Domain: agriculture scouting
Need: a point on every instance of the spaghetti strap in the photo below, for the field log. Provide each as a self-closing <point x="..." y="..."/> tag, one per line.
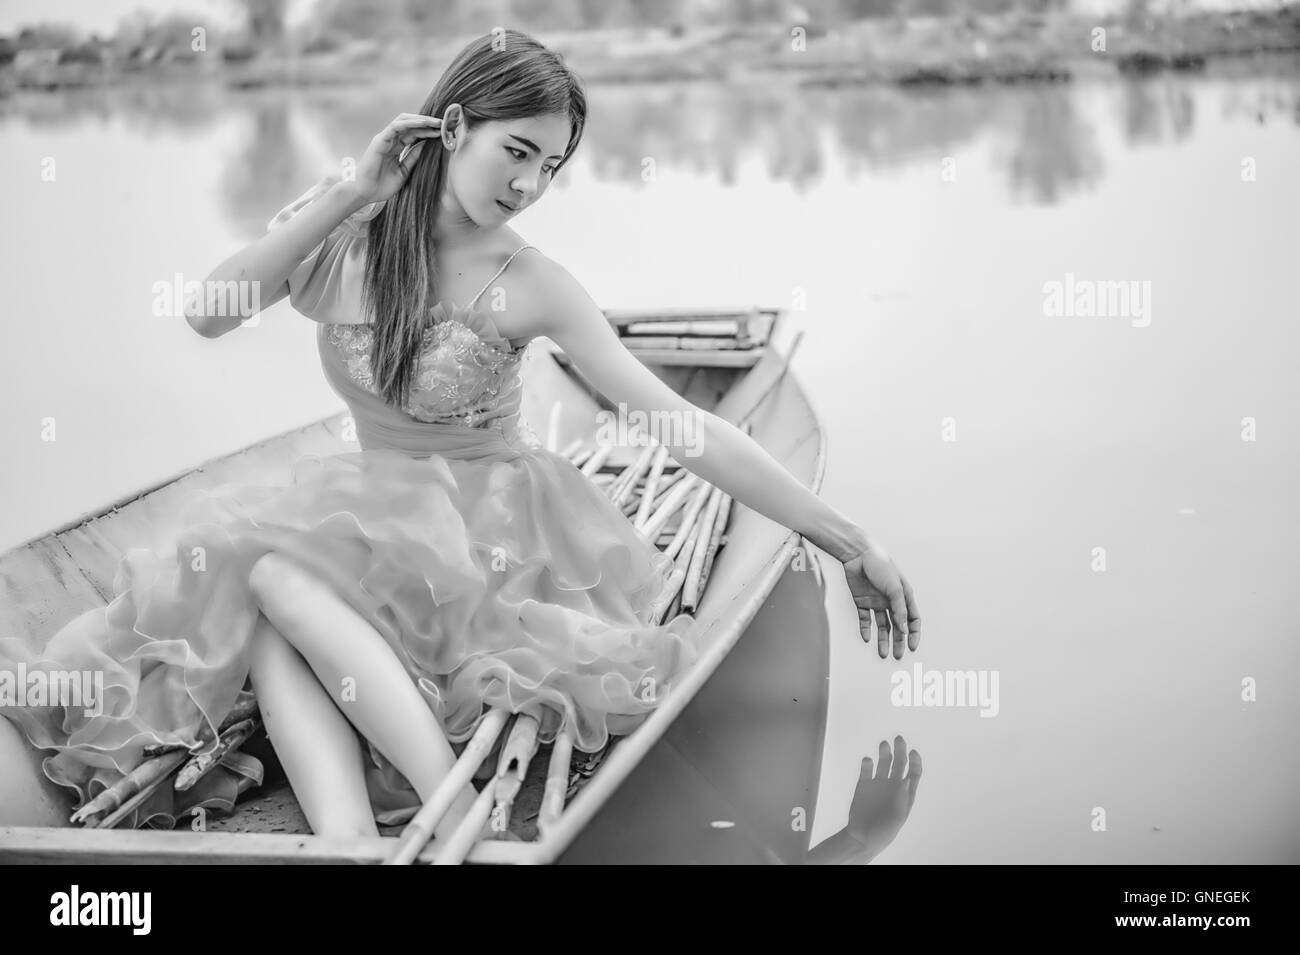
<point x="499" y="271"/>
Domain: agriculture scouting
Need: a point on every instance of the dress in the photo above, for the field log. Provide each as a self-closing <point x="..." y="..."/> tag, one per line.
<point x="498" y="573"/>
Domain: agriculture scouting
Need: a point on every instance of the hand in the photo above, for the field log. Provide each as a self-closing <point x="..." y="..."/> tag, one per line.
<point x="383" y="168"/>
<point x="881" y="804"/>
<point x="879" y="588"/>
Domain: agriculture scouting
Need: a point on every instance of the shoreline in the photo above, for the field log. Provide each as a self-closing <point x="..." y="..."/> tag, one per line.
<point x="922" y="52"/>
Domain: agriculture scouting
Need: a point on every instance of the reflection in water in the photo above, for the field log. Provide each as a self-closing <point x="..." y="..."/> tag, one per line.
<point x="1052" y="149"/>
<point x="1047" y="146"/>
<point x="736" y="778"/>
<point x="1155" y="110"/>
<point x="268" y="152"/>
<point x="881" y="804"/>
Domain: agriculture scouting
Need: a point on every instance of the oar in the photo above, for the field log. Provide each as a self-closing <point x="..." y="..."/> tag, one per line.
<point x="420" y="829"/>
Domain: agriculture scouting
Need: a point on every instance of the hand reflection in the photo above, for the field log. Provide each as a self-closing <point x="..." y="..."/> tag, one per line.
<point x="881" y="804"/>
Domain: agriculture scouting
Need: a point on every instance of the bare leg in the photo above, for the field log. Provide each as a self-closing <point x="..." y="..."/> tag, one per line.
<point x="316" y="745"/>
<point x="339" y="644"/>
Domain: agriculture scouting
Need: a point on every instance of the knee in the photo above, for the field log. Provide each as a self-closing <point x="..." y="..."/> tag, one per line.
<point x="271" y="574"/>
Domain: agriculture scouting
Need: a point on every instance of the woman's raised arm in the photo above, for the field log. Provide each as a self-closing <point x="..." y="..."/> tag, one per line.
<point x="269" y="260"/>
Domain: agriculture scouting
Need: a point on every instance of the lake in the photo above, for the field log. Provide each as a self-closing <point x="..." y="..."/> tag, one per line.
<point x="1060" y="487"/>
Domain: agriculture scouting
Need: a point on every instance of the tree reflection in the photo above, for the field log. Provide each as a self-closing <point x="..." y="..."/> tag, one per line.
<point x="1053" y="150"/>
<point x="1153" y="110"/>
<point x="1045" y="145"/>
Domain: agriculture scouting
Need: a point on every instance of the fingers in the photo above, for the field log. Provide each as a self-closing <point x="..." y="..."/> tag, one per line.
<point x="407" y="128"/>
<point x="409" y="157"/>
<point x="882" y="633"/>
<point x="913" y="774"/>
<point x="899" y="766"/>
<point x="884" y="759"/>
<point x="913" y="616"/>
<point x="865" y="770"/>
<point x="898" y="615"/>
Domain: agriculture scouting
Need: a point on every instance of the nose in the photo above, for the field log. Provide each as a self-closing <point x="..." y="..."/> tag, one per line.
<point x="526" y="186"/>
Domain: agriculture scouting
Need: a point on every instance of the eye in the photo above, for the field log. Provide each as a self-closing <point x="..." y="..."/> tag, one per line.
<point x="550" y="170"/>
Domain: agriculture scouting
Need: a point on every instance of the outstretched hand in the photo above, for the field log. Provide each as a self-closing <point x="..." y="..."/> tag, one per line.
<point x="879" y="589"/>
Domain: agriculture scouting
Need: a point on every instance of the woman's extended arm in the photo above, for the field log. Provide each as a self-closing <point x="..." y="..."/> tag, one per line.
<point x="721" y="453"/>
<point x="271" y="259"/>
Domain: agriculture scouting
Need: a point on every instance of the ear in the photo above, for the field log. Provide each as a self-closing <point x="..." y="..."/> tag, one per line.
<point x="453" y="126"/>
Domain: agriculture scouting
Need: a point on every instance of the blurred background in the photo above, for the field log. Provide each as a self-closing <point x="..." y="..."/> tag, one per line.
<point x="904" y="175"/>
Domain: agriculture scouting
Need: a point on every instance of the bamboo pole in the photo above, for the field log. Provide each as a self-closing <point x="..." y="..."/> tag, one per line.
<point x="557" y="782"/>
<point x="660" y="495"/>
<point x="597" y="459"/>
<point x="460" y="842"/>
<point x="512" y="764"/>
<point x="674" y="500"/>
<point x="667" y="484"/>
<point x="202" y="764"/>
<point x="671" y="588"/>
<point x="652" y="484"/>
<point x="702" y="495"/>
<point x="242" y="710"/>
<point x="110" y="806"/>
<point x="634" y="471"/>
<point x="579" y="459"/>
<point x="420" y="829"/>
<point x="715" y="539"/>
<point x="694" y="585"/>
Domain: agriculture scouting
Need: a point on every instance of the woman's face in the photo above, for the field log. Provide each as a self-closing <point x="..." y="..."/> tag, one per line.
<point x="505" y="163"/>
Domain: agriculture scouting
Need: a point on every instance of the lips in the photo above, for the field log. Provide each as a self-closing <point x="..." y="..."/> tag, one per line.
<point x="507" y="206"/>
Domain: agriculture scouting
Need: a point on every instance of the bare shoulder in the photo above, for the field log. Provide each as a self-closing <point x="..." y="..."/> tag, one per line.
<point x="551" y="291"/>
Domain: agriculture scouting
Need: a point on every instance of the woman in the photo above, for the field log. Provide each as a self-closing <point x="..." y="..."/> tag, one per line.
<point x="452" y="564"/>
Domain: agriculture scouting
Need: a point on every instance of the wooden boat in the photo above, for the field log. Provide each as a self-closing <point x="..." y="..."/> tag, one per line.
<point x="50" y="580"/>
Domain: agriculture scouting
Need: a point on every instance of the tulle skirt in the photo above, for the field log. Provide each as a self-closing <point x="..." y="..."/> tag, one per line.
<point x="504" y="581"/>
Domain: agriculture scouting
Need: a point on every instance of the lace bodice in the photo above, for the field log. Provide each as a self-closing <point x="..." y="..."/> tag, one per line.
<point x="466" y="387"/>
<point x="463" y="373"/>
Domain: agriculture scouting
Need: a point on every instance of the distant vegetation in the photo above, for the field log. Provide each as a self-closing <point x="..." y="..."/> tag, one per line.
<point x="873" y="40"/>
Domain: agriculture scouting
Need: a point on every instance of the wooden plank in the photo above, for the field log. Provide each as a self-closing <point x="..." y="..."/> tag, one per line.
<point x="743" y="358"/>
<point x="707" y="327"/>
<point x="649" y="342"/>
<point x="624" y="316"/>
<point x="34" y="845"/>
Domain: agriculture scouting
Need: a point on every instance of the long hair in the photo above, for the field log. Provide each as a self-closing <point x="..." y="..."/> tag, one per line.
<point x="502" y="75"/>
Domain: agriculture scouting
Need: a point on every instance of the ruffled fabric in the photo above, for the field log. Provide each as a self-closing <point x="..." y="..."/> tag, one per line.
<point x="326" y="285"/>
<point x="504" y="580"/>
